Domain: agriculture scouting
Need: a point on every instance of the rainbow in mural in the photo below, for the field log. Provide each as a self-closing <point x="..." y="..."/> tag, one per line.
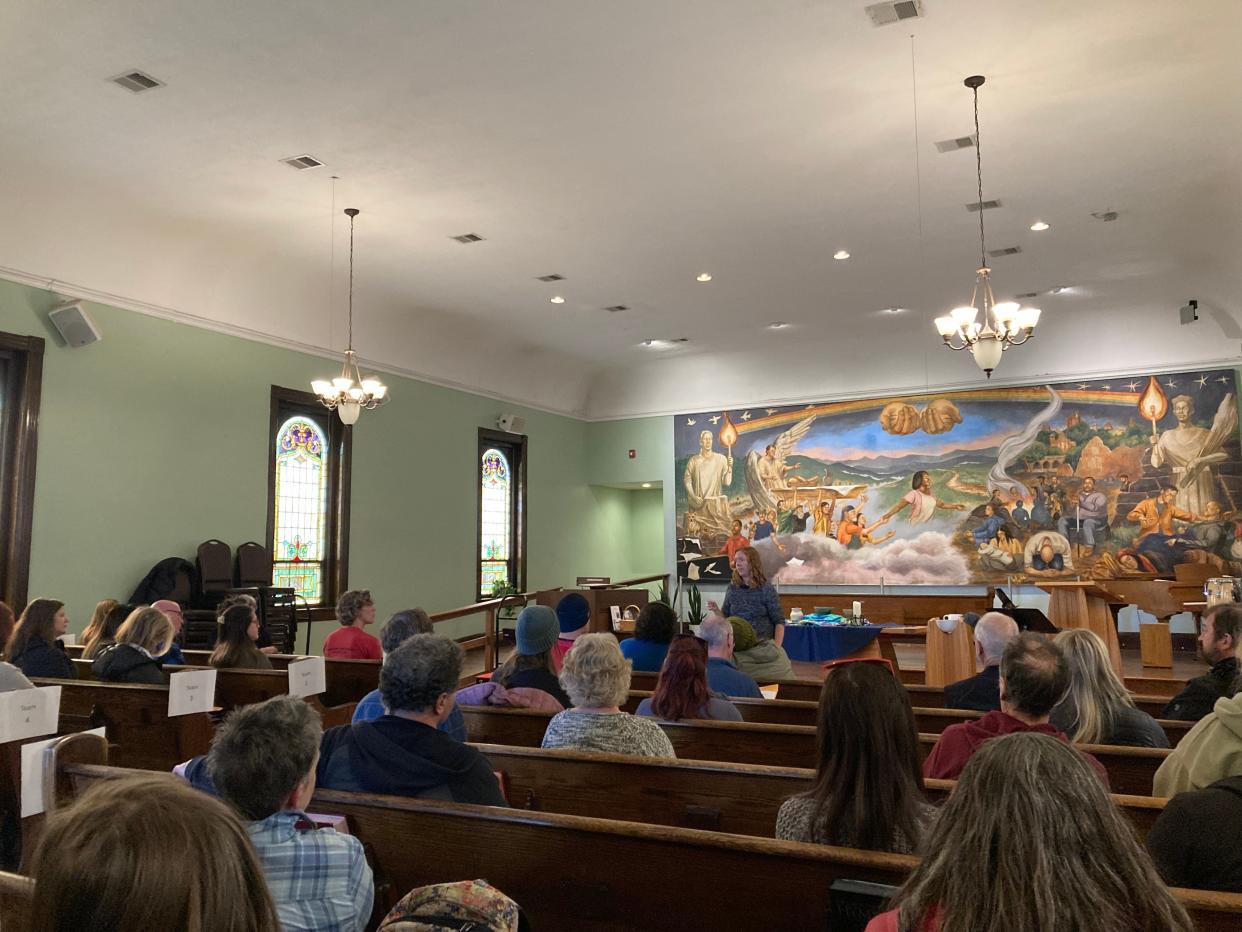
<point x="1099" y="478"/>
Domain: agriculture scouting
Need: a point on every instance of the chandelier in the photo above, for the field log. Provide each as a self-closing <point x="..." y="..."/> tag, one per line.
<point x="349" y="392"/>
<point x="1002" y="325"/>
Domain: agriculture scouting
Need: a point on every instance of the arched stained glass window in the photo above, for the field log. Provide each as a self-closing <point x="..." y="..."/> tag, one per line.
<point x="495" y="520"/>
<point x="299" y="544"/>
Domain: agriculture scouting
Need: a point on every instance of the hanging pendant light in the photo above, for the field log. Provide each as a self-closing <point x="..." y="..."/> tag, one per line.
<point x="349" y="392"/>
<point x="985" y="327"/>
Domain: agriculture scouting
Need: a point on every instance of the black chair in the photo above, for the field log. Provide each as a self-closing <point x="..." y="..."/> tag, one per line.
<point x="254" y="565"/>
<point x="215" y="572"/>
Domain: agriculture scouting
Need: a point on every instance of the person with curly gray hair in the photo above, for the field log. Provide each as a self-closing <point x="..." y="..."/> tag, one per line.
<point x="402" y="752"/>
<point x="355" y="610"/>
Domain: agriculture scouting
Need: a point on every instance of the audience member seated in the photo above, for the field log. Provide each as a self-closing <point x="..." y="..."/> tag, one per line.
<point x="145" y="635"/>
<point x="104" y="635"/>
<point x="1210" y="751"/>
<point x="682" y="690"/>
<point x="722" y="676"/>
<point x="1194" y="840"/>
<point x="1033" y="677"/>
<point x="10" y="677"/>
<point x="1218" y="638"/>
<point x="354" y="610"/>
<point x="981" y="692"/>
<point x="264" y="640"/>
<point x="762" y="661"/>
<point x="171" y="609"/>
<point x="467" y="904"/>
<point x="146" y="852"/>
<point x="263" y="761"/>
<point x="573" y="614"/>
<point x="235" y="642"/>
<point x="98" y="617"/>
<point x="35" y="647"/>
<point x="654" y="629"/>
<point x="868" y="790"/>
<point x="597" y="679"/>
<point x="1098" y="708"/>
<point x="526" y="680"/>
<point x="398" y="629"/>
<point x="1029" y="841"/>
<point x="402" y="752"/>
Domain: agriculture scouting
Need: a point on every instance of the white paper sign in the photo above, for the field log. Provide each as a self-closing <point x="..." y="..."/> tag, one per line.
<point x="32" y="773"/>
<point x="307" y="677"/>
<point x="191" y="691"/>
<point x="69" y="639"/>
<point x="29" y="713"/>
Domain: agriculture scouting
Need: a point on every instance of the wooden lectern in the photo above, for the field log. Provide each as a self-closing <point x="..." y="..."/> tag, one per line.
<point x="1084" y="604"/>
<point x="600" y="601"/>
<point x="950" y="657"/>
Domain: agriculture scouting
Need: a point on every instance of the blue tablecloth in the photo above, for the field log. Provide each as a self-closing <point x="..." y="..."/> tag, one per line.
<point x="817" y="643"/>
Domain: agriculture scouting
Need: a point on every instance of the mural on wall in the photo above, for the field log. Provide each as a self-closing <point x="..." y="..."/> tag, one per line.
<point x="1095" y="479"/>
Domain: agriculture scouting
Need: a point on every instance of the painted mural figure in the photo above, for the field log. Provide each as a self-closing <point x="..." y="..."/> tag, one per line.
<point x="1191" y="451"/>
<point x="1155" y="516"/>
<point x="920" y="501"/>
<point x="1090" y="515"/>
<point x="707" y="474"/>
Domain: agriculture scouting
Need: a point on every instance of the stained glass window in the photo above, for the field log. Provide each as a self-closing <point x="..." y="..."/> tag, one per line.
<point x="299" y="545"/>
<point x="495" y="520"/>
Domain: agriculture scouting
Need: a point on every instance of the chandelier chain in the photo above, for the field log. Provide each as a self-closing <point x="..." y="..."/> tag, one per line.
<point x="351" y="280"/>
<point x="983" y="252"/>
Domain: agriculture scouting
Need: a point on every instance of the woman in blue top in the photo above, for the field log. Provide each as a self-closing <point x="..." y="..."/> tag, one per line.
<point x="752" y="597"/>
<point x="654" y="629"/>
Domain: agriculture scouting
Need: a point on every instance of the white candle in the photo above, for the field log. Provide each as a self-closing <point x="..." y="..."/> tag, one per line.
<point x="857" y="609"/>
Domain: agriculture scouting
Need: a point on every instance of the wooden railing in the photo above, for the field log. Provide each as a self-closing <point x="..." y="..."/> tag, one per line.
<point x="490" y="609"/>
<point x="636" y="581"/>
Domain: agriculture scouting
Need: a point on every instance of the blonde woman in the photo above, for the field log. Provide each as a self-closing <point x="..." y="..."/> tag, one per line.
<point x="1097" y="708"/>
<point x="97" y="619"/>
<point x="143" y="637"/>
<point x="597" y="678"/>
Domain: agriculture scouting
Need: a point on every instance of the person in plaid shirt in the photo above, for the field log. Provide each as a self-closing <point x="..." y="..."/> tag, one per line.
<point x="263" y="760"/>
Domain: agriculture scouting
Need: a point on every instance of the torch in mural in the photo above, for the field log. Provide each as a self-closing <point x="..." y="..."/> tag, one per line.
<point x="728" y="435"/>
<point x="1153" y="403"/>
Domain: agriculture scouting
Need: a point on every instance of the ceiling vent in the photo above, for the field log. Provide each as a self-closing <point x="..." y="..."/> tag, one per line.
<point x="884" y="14"/>
<point x="952" y="145"/>
<point x="617" y="308"/>
<point x="136" y="81"/>
<point x="468" y="238"/>
<point x="1108" y="216"/>
<point x="1007" y="251"/>
<point x="986" y="205"/>
<point x="303" y="162"/>
<point x="1028" y="294"/>
<point x="544" y="278"/>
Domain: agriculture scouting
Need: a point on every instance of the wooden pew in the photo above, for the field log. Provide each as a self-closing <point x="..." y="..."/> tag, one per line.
<point x="136" y="719"/>
<point x="596" y="890"/>
<point x="16" y="900"/>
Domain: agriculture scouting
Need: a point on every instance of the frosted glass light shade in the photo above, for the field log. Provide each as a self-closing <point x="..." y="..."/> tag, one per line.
<point x="1028" y="317"/>
<point x="349" y="411"/>
<point x="323" y="388"/>
<point x="964" y="315"/>
<point x="342" y="383"/>
<point x="945" y="326"/>
<point x="1005" y="311"/>
<point x="987" y="353"/>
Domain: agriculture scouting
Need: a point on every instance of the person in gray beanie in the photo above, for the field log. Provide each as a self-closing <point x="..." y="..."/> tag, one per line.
<point x="529" y="668"/>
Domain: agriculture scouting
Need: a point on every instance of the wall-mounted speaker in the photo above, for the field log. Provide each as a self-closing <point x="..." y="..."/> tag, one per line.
<point x="511" y="423"/>
<point x="73" y="323"/>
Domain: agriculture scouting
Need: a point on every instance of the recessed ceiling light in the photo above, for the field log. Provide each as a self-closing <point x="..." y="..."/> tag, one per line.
<point x="840" y="254"/>
<point x="777" y="325"/>
<point x="1062" y="289"/>
<point x="893" y="310"/>
<point x="1039" y="226"/>
<point x="557" y="299"/>
<point x="703" y="277"/>
<point x="646" y="485"/>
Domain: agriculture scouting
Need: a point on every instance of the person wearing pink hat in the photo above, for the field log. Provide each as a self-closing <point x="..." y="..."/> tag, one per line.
<point x="173" y="611"/>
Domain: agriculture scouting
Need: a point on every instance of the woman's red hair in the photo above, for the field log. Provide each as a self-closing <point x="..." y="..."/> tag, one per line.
<point x="681" y="692"/>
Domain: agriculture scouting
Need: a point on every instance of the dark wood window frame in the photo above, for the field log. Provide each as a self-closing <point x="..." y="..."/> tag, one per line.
<point x="517" y="444"/>
<point x="20" y="424"/>
<point x="285" y="403"/>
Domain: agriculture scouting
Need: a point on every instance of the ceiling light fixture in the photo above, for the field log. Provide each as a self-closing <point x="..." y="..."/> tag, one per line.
<point x="557" y="299"/>
<point x="1039" y="226"/>
<point x="349" y="392"/>
<point x="840" y="254"/>
<point x="703" y="277"/>
<point x="1005" y="324"/>
<point x="646" y="485"/>
<point x="893" y="310"/>
<point x="777" y="325"/>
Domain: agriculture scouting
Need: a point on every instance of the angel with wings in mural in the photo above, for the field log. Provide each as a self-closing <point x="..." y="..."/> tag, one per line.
<point x="765" y="472"/>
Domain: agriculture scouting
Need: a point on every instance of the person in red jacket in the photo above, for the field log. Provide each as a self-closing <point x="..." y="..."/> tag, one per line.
<point x="1034" y="675"/>
<point x="354" y="610"/>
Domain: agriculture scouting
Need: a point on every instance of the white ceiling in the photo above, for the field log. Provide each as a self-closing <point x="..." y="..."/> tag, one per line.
<point x="629" y="146"/>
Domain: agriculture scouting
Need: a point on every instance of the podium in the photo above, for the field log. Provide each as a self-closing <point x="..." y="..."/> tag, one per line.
<point x="600" y="601"/>
<point x="1084" y="604"/>
<point x="950" y="657"/>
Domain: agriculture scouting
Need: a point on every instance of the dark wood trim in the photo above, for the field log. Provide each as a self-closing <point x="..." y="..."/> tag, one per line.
<point x="21" y="424"/>
<point x="284" y="403"/>
<point x="518" y="444"/>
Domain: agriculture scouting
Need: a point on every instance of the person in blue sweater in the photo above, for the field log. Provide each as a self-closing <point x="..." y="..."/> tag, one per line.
<point x="654" y="629"/>
<point x="752" y="597"/>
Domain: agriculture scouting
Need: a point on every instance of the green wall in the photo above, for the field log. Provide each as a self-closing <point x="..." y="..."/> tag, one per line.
<point x="155" y="439"/>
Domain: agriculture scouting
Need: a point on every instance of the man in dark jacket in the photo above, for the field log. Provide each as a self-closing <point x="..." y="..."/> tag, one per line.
<point x="981" y="692"/>
<point x="402" y="752"/>
<point x="1193" y="841"/>
<point x="1218" y="638"/>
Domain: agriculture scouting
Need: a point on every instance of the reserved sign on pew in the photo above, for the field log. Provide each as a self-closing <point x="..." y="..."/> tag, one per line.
<point x="191" y="691"/>
<point x="307" y="677"/>
<point x="28" y="713"/>
<point x="33" y="801"/>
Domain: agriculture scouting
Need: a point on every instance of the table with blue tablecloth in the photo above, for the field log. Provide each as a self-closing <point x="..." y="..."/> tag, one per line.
<point x="817" y="643"/>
